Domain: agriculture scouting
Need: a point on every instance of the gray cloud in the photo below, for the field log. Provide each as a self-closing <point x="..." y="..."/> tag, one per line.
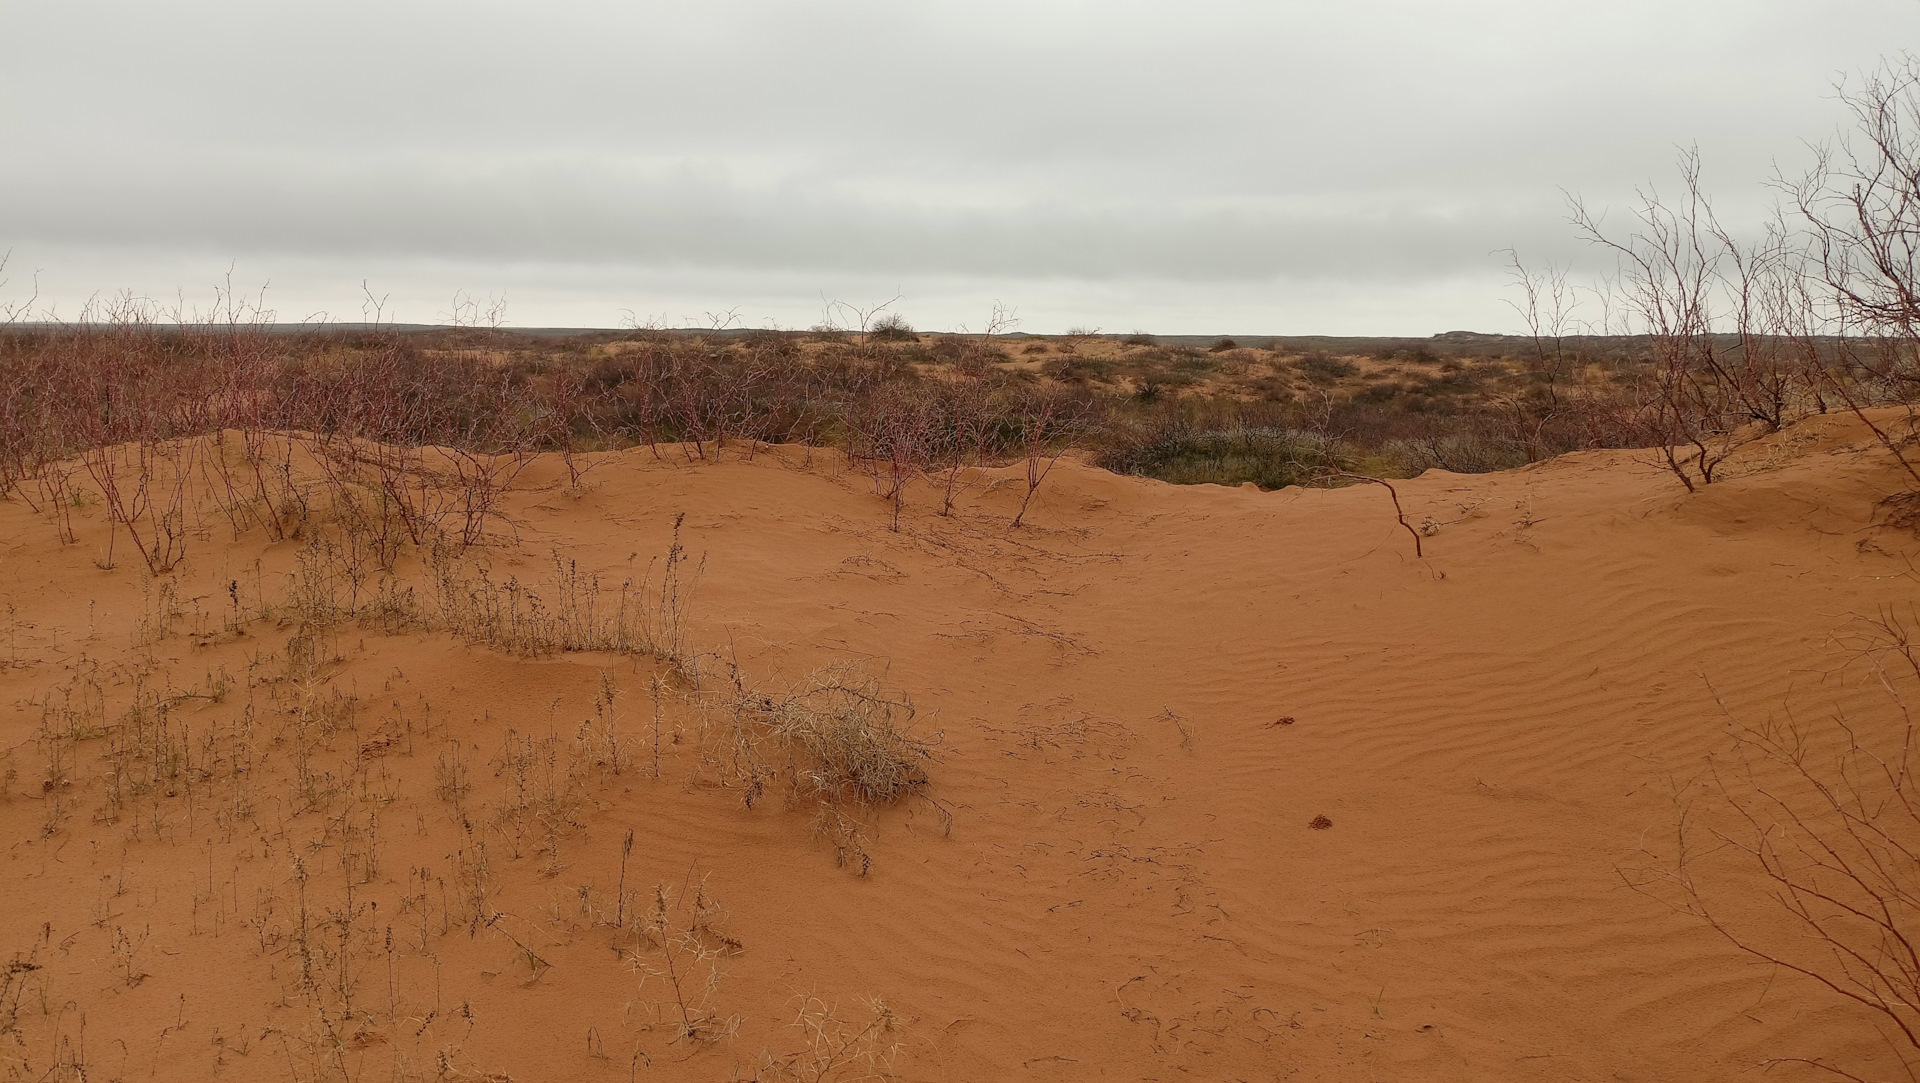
<point x="1083" y="152"/>
<point x="581" y="210"/>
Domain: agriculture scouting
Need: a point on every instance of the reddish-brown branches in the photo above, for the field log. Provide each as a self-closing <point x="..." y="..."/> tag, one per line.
<point x="1827" y="814"/>
<point x="1398" y="512"/>
<point x="1049" y="421"/>
<point x="1682" y="280"/>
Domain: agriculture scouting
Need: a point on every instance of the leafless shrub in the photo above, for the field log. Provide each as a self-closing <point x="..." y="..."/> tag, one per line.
<point x="1821" y="305"/>
<point x="840" y="1048"/>
<point x="891" y="435"/>
<point x="686" y="957"/>
<point x="541" y="798"/>
<point x="1828" y="813"/>
<point x="843" y="746"/>
<point x="854" y="741"/>
<point x="1050" y="423"/>
<point x="1860" y="204"/>
<point x="19" y="974"/>
<point x="892" y="327"/>
<point x="1704" y="302"/>
<point x="1077" y="337"/>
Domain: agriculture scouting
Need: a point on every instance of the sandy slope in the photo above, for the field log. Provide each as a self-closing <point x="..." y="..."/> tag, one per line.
<point x="1144" y="699"/>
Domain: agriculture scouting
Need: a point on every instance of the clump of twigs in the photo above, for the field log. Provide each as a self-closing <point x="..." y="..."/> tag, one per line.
<point x="844" y="746"/>
<point x="854" y="740"/>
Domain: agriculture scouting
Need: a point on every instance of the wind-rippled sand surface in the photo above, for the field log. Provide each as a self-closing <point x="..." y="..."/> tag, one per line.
<point x="1143" y="700"/>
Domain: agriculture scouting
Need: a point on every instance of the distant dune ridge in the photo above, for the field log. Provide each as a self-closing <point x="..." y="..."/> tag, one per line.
<point x="692" y="768"/>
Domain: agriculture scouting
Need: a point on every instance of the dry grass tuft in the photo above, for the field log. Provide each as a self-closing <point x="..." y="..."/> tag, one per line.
<point x="643" y="615"/>
<point x="855" y="740"/>
<point x="844" y="746"/>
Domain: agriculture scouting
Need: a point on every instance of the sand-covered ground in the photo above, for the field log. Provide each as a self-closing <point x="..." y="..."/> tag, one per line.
<point x="250" y="835"/>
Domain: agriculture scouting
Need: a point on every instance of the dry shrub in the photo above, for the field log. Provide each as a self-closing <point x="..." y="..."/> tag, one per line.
<point x="685" y="958"/>
<point x="17" y="976"/>
<point x="838" y="1048"/>
<point x="1828" y="813"/>
<point x="542" y="796"/>
<point x="1183" y="450"/>
<point x="644" y="615"/>
<point x="843" y="744"/>
<point x="336" y="580"/>
<point x="892" y="327"/>
<point x="414" y="439"/>
<point x="854" y="740"/>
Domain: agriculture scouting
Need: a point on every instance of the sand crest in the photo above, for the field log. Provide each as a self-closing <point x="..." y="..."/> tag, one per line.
<point x="1224" y="784"/>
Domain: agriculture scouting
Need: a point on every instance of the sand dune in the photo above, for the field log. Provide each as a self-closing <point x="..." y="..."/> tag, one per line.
<point x="1144" y="700"/>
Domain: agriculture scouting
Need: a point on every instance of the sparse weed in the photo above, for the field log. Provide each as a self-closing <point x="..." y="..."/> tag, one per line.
<point x="685" y="956"/>
<point x="839" y="1049"/>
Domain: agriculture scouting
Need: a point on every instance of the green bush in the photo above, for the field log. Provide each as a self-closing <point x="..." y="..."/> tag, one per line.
<point x="1269" y="457"/>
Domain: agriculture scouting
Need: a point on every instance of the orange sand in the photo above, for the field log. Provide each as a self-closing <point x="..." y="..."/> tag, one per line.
<point x="1130" y="889"/>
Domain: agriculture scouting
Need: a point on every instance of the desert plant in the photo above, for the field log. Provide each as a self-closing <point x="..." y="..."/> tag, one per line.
<point x="1322" y="368"/>
<point x="1185" y="451"/>
<point x="891" y="436"/>
<point x="838" y="1047"/>
<point x="577" y="612"/>
<point x="960" y="433"/>
<point x="854" y="742"/>
<point x="843" y="745"/>
<point x="1049" y="422"/>
<point x="1699" y="296"/>
<point x="892" y="327"/>
<point x="1826" y="812"/>
<point x="687" y="959"/>
<point x="1860" y="206"/>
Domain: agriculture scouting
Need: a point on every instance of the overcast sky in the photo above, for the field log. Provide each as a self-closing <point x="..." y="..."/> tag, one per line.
<point x="1188" y="166"/>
